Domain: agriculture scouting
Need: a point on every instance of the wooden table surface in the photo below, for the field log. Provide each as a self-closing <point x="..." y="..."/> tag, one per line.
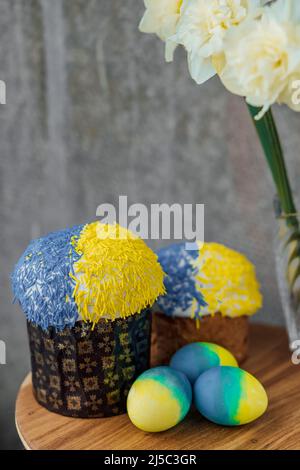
<point x="269" y="360"/>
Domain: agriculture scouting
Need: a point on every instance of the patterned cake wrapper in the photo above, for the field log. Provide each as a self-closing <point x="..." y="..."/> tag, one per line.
<point x="87" y="373"/>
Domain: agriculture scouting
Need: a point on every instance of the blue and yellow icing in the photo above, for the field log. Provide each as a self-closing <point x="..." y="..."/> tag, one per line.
<point x="183" y="293"/>
<point x="229" y="396"/>
<point x="87" y="272"/>
<point x="195" y="358"/>
<point x="159" y="399"/>
<point x="212" y="279"/>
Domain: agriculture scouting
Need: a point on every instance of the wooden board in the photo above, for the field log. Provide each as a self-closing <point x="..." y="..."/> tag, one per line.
<point x="269" y="360"/>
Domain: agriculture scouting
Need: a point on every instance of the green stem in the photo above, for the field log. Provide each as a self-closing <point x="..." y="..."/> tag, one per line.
<point x="269" y="138"/>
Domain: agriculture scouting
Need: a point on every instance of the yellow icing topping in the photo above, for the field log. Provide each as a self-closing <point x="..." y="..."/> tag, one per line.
<point x="227" y="281"/>
<point x="118" y="275"/>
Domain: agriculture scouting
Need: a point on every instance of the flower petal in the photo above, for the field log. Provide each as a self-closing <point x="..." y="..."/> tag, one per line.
<point x="201" y="69"/>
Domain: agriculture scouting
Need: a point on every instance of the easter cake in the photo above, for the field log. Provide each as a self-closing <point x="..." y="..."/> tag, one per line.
<point x="211" y="292"/>
<point x="86" y="293"/>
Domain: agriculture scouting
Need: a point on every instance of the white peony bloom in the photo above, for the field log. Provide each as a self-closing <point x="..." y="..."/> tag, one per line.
<point x="202" y="28"/>
<point x="161" y="17"/>
<point x="263" y="56"/>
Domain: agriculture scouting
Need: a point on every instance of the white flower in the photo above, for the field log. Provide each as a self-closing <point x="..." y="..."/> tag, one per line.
<point x="161" y="17"/>
<point x="202" y="28"/>
<point x="263" y="55"/>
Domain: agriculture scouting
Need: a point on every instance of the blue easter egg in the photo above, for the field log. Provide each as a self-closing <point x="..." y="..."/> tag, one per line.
<point x="195" y="358"/>
<point x="229" y="396"/>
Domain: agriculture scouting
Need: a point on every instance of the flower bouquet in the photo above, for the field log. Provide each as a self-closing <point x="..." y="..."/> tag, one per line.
<point x="254" y="47"/>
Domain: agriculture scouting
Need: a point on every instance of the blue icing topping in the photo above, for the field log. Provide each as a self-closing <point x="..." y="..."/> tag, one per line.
<point x="41" y="280"/>
<point x="180" y="282"/>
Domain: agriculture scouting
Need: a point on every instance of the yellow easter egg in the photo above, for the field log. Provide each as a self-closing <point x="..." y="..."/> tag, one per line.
<point x="159" y="399"/>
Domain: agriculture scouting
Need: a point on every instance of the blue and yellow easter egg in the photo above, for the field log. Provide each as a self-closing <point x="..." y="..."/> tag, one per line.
<point x="159" y="399"/>
<point x="195" y="358"/>
<point x="229" y="396"/>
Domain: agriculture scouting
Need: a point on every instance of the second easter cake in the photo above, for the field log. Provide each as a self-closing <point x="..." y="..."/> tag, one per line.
<point x="211" y="293"/>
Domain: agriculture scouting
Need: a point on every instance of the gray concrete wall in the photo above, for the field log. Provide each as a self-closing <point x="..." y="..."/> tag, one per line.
<point x="93" y="112"/>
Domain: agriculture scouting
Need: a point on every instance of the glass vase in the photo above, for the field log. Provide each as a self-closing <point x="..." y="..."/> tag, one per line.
<point x="287" y="255"/>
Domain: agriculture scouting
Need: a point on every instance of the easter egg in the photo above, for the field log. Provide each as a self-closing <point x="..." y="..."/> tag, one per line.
<point x="195" y="358"/>
<point x="159" y="399"/>
<point x="229" y="396"/>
